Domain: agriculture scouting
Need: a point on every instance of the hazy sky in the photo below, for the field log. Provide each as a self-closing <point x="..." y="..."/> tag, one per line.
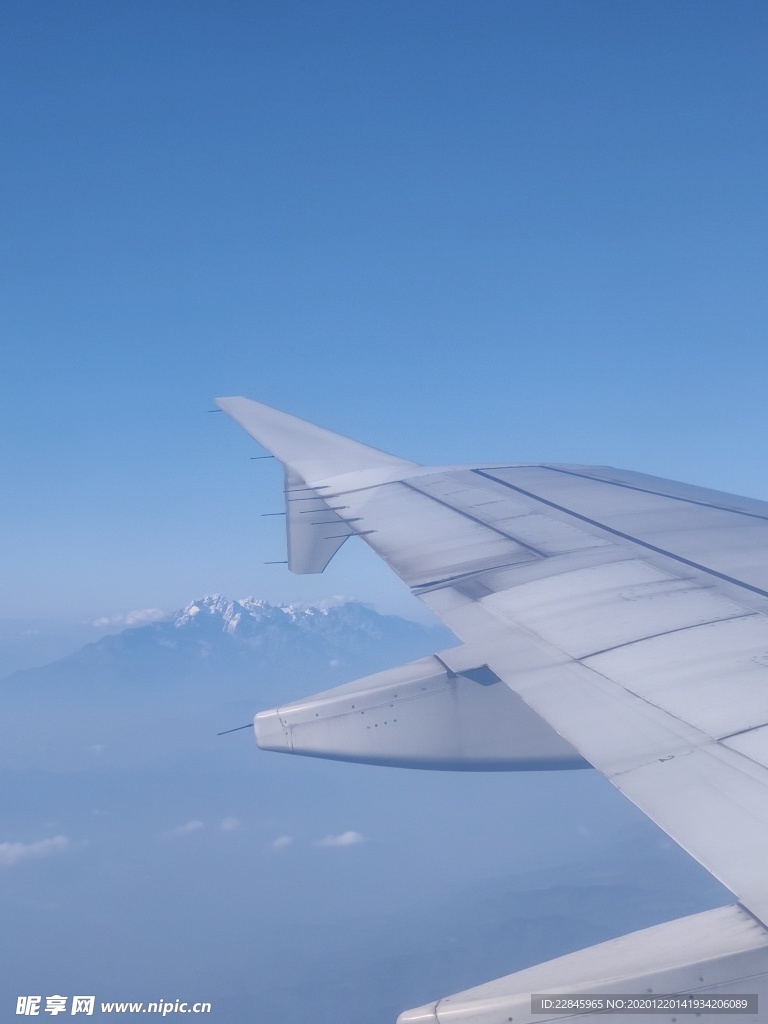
<point x="456" y="231"/>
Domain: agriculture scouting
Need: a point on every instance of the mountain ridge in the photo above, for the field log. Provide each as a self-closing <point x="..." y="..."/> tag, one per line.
<point x="217" y="637"/>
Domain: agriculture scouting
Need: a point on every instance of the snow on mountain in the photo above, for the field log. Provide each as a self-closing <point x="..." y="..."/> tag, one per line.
<point x="221" y="640"/>
<point x="251" y="613"/>
<point x="255" y="622"/>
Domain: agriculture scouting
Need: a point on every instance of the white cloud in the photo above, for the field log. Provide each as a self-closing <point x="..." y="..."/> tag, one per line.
<point x="12" y="853"/>
<point x="336" y="601"/>
<point x="190" y="826"/>
<point x="138" y="617"/>
<point x="229" y="824"/>
<point x="142" y="616"/>
<point x="345" y="839"/>
<point x="281" y="842"/>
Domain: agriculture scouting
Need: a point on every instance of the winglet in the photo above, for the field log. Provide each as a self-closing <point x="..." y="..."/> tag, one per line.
<point x="308" y="454"/>
<point x="307" y="451"/>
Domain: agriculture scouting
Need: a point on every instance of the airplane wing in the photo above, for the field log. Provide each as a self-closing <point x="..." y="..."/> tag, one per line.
<point x="607" y="618"/>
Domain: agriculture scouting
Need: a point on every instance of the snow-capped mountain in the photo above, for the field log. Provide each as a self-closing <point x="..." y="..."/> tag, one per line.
<point x="250" y="619"/>
<point x="218" y="640"/>
<point x="248" y="610"/>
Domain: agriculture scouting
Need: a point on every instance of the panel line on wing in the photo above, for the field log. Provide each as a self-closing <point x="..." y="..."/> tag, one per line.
<point x="666" y="632"/>
<point x="622" y="535"/>
<point x="422" y="588"/>
<point x="741" y="732"/>
<point x="648" y="490"/>
<point x="474" y="519"/>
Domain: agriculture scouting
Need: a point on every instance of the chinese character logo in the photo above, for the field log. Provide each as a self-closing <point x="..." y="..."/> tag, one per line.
<point x="83" y="1004"/>
<point x="28" y="1005"/>
<point x="55" y="1004"/>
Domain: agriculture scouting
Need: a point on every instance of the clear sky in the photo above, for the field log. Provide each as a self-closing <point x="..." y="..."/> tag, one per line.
<point x="457" y="231"/>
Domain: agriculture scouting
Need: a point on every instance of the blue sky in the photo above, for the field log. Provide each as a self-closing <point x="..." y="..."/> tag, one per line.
<point x="456" y="231"/>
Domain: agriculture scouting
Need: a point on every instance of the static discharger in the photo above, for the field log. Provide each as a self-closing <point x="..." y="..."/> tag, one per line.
<point x="238" y="728"/>
<point x="332" y="522"/>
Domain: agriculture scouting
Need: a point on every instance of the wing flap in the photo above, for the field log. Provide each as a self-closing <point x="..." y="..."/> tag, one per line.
<point x="684" y="672"/>
<point x="586" y="611"/>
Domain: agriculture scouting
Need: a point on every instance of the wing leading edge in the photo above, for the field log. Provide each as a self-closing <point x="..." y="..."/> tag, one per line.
<point x="627" y="614"/>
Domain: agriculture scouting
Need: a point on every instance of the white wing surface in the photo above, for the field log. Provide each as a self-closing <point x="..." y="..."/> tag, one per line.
<point x="607" y="618"/>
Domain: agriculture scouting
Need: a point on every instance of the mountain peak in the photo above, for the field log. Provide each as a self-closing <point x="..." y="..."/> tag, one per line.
<point x="215" y="637"/>
<point x="230" y="616"/>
